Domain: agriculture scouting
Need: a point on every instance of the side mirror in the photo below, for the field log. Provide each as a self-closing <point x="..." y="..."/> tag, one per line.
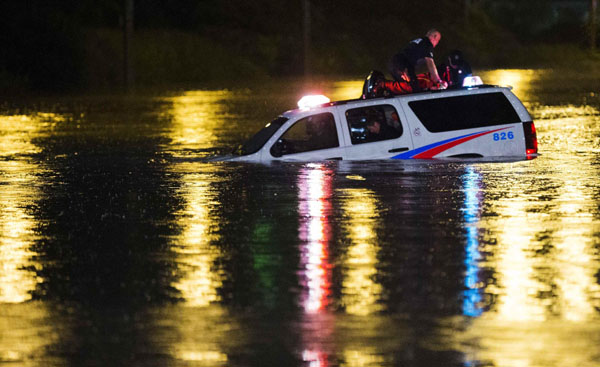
<point x="279" y="148"/>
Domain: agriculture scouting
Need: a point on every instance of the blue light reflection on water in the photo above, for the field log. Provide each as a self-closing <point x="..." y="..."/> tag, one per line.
<point x="471" y="210"/>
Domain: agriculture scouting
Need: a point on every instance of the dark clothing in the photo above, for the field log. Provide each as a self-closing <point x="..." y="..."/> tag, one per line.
<point x="408" y="58"/>
<point x="454" y="74"/>
<point x="398" y="64"/>
<point x="385" y="132"/>
<point x="418" y="49"/>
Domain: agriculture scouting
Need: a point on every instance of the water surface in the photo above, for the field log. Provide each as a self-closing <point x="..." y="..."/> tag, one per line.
<point x="123" y="244"/>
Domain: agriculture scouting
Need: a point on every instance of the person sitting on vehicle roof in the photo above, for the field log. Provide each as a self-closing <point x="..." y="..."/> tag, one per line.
<point x="418" y="51"/>
<point x="456" y="70"/>
<point x="402" y="84"/>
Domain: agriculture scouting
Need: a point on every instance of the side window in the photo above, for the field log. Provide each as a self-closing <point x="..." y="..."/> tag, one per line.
<point x="310" y="133"/>
<point x="464" y="112"/>
<point x="374" y="123"/>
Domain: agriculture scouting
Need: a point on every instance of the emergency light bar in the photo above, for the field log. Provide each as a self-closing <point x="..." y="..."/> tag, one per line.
<point x="472" y="81"/>
<point x="312" y="101"/>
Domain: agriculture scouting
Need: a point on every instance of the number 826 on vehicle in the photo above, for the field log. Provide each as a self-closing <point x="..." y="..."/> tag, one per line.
<point x="503" y="136"/>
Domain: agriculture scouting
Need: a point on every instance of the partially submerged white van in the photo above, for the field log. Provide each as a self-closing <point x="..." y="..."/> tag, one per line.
<point x="481" y="121"/>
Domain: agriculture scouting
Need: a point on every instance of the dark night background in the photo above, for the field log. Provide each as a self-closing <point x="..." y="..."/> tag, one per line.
<point x="78" y="44"/>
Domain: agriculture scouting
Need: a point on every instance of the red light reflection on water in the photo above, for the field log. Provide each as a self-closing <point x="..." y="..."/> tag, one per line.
<point x="315" y="358"/>
<point x="315" y="186"/>
<point x="314" y="204"/>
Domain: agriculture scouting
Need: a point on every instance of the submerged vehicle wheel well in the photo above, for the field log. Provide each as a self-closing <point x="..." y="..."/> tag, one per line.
<point x="466" y="155"/>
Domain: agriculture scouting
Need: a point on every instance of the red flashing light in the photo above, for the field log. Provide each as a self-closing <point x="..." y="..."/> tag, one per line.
<point x="531" y="144"/>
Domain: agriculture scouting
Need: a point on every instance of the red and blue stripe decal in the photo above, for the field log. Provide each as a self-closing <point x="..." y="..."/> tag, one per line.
<point x="431" y="150"/>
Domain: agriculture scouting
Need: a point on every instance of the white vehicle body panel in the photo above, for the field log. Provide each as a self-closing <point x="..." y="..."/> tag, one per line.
<point x="379" y="149"/>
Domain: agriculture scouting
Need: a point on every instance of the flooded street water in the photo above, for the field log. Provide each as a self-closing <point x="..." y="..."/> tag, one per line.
<point x="123" y="244"/>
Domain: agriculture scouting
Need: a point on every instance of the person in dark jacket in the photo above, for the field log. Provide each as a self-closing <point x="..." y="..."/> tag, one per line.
<point x="416" y="52"/>
<point x="455" y="70"/>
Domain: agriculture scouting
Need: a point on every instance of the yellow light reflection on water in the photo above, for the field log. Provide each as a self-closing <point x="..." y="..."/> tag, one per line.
<point x="199" y="281"/>
<point x="204" y="356"/>
<point x="197" y="117"/>
<point x="16" y="282"/>
<point x="571" y="113"/>
<point x="198" y="284"/>
<point x="25" y="329"/>
<point x="196" y="336"/>
<point x="360" y="291"/>
<point x="578" y="292"/>
<point x="515" y="266"/>
<point x="519" y="79"/>
<point x="350" y="89"/>
<point x="548" y="344"/>
<point x="19" y="190"/>
<point x="543" y="256"/>
<point x="363" y="357"/>
<point x="544" y="262"/>
<point x="16" y="134"/>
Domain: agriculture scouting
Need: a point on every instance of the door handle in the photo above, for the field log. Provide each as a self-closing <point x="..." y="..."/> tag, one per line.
<point x="396" y="150"/>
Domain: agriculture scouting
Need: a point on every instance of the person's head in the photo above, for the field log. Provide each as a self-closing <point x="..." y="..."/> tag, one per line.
<point x="434" y="36"/>
<point x="455" y="59"/>
<point x="374" y="127"/>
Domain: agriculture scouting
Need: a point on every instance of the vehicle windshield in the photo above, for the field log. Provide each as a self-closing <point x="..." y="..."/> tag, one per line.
<point x="260" y="138"/>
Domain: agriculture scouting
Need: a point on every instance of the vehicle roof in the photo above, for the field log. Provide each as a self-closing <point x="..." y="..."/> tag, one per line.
<point x="412" y="96"/>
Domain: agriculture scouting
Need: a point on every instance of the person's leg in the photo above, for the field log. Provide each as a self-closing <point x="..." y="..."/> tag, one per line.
<point x="397" y="66"/>
<point x="397" y="87"/>
<point x="414" y="83"/>
<point x="396" y="72"/>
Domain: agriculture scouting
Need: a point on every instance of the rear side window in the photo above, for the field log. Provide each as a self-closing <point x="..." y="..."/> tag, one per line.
<point x="374" y="123"/>
<point x="464" y="112"/>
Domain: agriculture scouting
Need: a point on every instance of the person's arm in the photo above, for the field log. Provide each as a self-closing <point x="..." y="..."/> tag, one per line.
<point x="433" y="73"/>
<point x="432" y="70"/>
